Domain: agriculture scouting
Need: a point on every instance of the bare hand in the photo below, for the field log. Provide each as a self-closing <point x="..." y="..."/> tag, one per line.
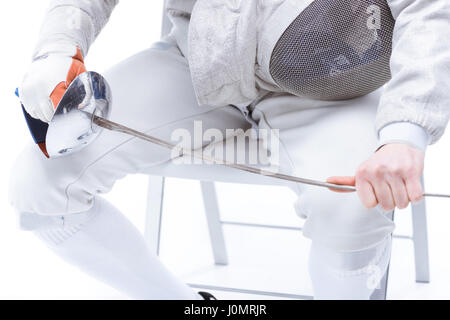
<point x="390" y="177"/>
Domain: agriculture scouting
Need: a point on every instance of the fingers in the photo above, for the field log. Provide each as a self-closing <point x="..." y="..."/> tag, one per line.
<point x="399" y="193"/>
<point x="391" y="178"/>
<point x="373" y="187"/>
<point x="366" y="193"/>
<point x="384" y="195"/>
<point x="377" y="185"/>
<point x="414" y="190"/>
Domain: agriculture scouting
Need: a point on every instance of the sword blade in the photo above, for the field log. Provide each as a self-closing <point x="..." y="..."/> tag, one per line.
<point x="113" y="126"/>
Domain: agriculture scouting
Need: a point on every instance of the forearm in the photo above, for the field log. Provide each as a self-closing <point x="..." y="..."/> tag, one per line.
<point x="419" y="91"/>
<point x="72" y="23"/>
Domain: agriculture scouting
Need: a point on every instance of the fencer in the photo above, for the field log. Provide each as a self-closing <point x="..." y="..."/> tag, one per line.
<point x="357" y="90"/>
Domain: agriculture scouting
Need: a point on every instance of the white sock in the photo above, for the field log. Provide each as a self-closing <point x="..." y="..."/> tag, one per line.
<point x="112" y="250"/>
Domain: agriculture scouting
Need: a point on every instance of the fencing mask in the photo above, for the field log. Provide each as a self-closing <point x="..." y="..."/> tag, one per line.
<point x="335" y="50"/>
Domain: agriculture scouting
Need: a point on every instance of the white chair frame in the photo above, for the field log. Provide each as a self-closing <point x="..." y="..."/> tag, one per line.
<point x="155" y="201"/>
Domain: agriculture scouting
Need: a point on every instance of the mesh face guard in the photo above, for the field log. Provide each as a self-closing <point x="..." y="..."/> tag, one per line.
<point x="335" y="50"/>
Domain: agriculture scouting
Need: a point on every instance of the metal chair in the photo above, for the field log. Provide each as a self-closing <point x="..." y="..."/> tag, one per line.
<point x="155" y="199"/>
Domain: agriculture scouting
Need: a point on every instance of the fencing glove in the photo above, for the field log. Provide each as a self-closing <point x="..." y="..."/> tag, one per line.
<point x="69" y="28"/>
<point x="48" y="79"/>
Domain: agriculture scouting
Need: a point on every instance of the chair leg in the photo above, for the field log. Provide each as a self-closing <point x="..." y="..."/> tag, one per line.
<point x="420" y="240"/>
<point x="214" y="224"/>
<point x="155" y="197"/>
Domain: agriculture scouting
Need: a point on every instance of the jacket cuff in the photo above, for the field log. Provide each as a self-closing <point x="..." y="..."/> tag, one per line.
<point x="404" y="132"/>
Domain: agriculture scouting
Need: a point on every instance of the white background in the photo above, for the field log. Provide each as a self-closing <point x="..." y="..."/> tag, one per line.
<point x="261" y="259"/>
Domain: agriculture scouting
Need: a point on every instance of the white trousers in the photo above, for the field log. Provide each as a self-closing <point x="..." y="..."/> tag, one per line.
<point x="349" y="275"/>
<point x="153" y="93"/>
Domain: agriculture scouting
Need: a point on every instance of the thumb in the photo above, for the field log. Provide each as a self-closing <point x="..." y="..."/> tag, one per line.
<point x="345" y="181"/>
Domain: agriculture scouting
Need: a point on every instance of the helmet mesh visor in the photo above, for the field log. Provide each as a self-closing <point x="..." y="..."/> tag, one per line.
<point x="335" y="50"/>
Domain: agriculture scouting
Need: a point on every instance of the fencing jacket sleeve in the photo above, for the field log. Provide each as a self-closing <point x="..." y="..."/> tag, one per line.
<point x="419" y="91"/>
<point x="72" y="23"/>
<point x="405" y="133"/>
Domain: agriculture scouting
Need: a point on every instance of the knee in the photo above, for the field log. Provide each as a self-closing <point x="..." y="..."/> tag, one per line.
<point x="340" y="220"/>
<point x="315" y="199"/>
<point x="33" y="185"/>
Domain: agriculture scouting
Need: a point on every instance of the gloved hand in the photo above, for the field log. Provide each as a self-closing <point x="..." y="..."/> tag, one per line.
<point x="48" y="79"/>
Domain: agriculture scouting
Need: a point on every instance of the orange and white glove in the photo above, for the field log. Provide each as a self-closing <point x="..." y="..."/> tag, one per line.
<point x="69" y="28"/>
<point x="48" y="79"/>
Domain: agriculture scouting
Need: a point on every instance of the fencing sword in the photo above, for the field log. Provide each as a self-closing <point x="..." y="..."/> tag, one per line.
<point x="85" y="109"/>
<point x="113" y="126"/>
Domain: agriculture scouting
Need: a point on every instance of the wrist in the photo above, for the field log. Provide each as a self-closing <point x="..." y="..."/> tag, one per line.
<point x="60" y="49"/>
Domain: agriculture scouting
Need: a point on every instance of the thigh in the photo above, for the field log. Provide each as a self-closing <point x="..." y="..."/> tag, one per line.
<point x="152" y="92"/>
<point x="324" y="139"/>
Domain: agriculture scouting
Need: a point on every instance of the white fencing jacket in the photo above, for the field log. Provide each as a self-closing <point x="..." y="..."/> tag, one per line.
<point x="229" y="44"/>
